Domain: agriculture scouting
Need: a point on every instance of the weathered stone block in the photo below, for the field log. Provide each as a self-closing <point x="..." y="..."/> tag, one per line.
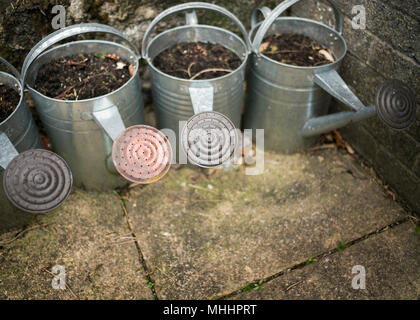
<point x="390" y="260"/>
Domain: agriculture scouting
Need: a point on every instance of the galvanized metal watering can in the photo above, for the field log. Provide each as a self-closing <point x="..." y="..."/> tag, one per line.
<point x="91" y="134"/>
<point x="211" y="107"/>
<point x="291" y="102"/>
<point x="32" y="179"/>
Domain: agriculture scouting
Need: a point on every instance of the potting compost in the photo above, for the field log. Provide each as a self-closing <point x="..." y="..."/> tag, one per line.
<point x="82" y="76"/>
<point x="197" y="60"/>
<point x="9" y="99"/>
<point x="296" y="49"/>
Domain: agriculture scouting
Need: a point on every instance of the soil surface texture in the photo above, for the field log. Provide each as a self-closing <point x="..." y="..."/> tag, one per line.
<point x="197" y="60"/>
<point x="296" y="49"/>
<point x="9" y="99"/>
<point x="83" y="76"/>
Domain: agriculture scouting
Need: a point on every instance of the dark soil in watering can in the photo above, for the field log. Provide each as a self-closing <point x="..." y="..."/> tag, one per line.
<point x="83" y="76"/>
<point x="197" y="60"/>
<point x="9" y="99"/>
<point x="296" y="49"/>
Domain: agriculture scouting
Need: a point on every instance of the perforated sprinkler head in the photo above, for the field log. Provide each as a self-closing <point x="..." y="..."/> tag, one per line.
<point x="396" y="105"/>
<point x="209" y="139"/>
<point x="37" y="181"/>
<point x="142" y="154"/>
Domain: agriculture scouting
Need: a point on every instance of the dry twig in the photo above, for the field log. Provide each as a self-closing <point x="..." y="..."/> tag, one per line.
<point x="67" y="286"/>
<point x="210" y="70"/>
<point x="21" y="233"/>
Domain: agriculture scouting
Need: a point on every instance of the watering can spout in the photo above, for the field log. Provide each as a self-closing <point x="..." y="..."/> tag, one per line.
<point x="395" y="105"/>
<point x="323" y="124"/>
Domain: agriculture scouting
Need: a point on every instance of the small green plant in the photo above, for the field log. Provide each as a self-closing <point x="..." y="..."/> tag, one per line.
<point x="248" y="287"/>
<point x="342" y="246"/>
<point x="150" y="284"/>
<point x="259" y="285"/>
<point x="311" y="260"/>
<point x="253" y="286"/>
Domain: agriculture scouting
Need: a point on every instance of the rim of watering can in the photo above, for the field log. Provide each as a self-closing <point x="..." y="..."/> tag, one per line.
<point x="70" y="31"/>
<point x="274" y="15"/>
<point x="16" y="76"/>
<point x="192" y="6"/>
<point x="261" y="55"/>
<point x="238" y="69"/>
<point x="94" y="98"/>
<point x="277" y="11"/>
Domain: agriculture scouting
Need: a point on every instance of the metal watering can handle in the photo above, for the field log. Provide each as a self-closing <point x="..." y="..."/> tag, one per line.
<point x="265" y="11"/>
<point x="278" y="11"/>
<point x="192" y="20"/>
<point x="11" y="68"/>
<point x="67" y="32"/>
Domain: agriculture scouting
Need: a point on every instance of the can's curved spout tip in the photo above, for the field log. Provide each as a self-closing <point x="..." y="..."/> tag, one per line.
<point x="396" y="105"/>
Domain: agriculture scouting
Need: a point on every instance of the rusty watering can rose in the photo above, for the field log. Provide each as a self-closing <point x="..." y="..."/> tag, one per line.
<point x="142" y="154"/>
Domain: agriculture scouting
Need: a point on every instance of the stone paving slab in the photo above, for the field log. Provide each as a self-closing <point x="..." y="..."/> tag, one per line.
<point x="391" y="260"/>
<point x="204" y="235"/>
<point x="89" y="236"/>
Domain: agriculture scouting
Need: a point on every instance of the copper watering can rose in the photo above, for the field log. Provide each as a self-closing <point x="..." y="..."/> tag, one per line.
<point x="142" y="154"/>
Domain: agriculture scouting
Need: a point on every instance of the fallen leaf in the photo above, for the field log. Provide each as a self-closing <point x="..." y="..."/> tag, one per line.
<point x="326" y="54"/>
<point x="264" y="46"/>
<point x="349" y="149"/>
<point x="131" y="69"/>
<point x="113" y="56"/>
<point x="338" y="139"/>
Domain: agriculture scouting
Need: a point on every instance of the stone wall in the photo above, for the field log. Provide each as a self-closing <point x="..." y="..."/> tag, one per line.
<point x="24" y="22"/>
<point x="388" y="48"/>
